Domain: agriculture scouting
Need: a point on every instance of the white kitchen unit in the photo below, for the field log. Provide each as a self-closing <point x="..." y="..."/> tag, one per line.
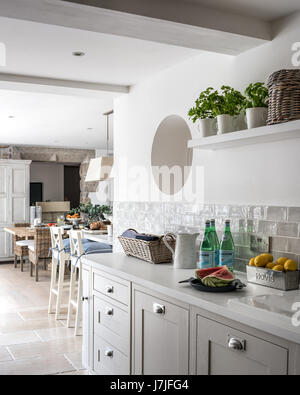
<point x="139" y="320"/>
<point x="14" y="200"/>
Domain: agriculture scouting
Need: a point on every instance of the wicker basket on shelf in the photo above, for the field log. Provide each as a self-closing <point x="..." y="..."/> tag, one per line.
<point x="150" y="251"/>
<point x="284" y="91"/>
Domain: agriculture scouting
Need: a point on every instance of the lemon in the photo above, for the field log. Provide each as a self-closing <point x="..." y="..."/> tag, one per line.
<point x="282" y="260"/>
<point x="270" y="265"/>
<point x="290" y="265"/>
<point x="278" y="268"/>
<point x="261" y="261"/>
<point x="251" y="262"/>
<point x="269" y="256"/>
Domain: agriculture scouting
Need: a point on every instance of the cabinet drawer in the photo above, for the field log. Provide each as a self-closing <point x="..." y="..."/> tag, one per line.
<point x="112" y="324"/>
<point x="108" y="360"/>
<point x="112" y="288"/>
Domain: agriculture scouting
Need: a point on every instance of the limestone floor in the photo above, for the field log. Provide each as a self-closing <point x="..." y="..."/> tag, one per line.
<point x="31" y="342"/>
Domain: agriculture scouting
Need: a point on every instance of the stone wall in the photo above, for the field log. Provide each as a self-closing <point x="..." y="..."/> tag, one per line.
<point x="281" y="224"/>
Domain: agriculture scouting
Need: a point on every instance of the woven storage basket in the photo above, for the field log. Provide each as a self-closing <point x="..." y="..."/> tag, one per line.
<point x="150" y="251"/>
<point x="284" y="91"/>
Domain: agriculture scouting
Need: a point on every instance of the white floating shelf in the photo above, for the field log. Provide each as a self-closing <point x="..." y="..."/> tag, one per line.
<point x="265" y="134"/>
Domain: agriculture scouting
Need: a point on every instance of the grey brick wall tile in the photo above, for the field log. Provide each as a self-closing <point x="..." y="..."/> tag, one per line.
<point x="276" y="213"/>
<point x="294" y="245"/>
<point x="279" y="244"/>
<point x="256" y="212"/>
<point x="267" y="228"/>
<point x="294" y="214"/>
<point x="288" y="229"/>
<point x="240" y="265"/>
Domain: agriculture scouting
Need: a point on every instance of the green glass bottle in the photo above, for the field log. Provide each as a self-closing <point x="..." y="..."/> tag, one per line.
<point x="227" y="248"/>
<point x="215" y="243"/>
<point x="206" y="250"/>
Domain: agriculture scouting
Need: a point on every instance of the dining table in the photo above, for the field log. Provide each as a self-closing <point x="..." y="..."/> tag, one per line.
<point x="23" y="232"/>
<point x="26" y="232"/>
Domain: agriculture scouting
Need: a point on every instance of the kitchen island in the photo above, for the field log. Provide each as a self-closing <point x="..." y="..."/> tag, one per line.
<point x="138" y="319"/>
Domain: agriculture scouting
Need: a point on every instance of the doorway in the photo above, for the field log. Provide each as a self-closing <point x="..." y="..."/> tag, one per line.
<point x="72" y="185"/>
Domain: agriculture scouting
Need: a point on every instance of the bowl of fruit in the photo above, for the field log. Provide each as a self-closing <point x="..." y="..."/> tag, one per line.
<point x="281" y="273"/>
<point x="73" y="218"/>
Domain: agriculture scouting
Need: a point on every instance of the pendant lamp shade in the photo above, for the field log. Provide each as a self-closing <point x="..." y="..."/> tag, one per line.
<point x="100" y="169"/>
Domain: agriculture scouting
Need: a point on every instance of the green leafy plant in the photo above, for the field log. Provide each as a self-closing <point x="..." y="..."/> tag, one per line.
<point x="230" y="102"/>
<point x="257" y="95"/>
<point x="202" y="108"/>
<point x="211" y="103"/>
<point x="95" y="212"/>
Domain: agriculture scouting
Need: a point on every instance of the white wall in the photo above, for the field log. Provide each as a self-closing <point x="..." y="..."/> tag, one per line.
<point x="52" y="176"/>
<point x="258" y="174"/>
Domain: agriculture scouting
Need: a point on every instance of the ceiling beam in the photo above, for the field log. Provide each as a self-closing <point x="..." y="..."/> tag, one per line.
<point x="58" y="86"/>
<point x="174" y="22"/>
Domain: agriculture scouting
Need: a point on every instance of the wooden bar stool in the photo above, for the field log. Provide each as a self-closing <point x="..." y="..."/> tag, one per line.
<point x="60" y="257"/>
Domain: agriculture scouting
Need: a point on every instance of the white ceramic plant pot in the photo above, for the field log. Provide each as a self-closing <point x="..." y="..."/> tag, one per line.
<point x="240" y="122"/>
<point x="226" y="123"/>
<point x="256" y="117"/>
<point x="207" y="127"/>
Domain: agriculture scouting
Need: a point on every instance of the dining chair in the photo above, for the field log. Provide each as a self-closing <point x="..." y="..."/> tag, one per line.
<point x="39" y="251"/>
<point x="21" y="246"/>
<point x="60" y="257"/>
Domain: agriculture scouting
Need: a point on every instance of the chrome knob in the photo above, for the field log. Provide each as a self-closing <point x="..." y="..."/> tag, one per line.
<point x="236" y="344"/>
<point x="109" y="289"/>
<point x="158" y="308"/>
<point x="84" y="298"/>
<point x="109" y="353"/>
<point x="109" y="311"/>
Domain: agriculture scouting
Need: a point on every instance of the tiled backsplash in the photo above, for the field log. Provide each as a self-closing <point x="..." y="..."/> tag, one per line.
<point x="282" y="224"/>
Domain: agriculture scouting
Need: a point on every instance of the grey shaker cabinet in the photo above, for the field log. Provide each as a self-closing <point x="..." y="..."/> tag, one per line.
<point x="152" y="333"/>
<point x="160" y="336"/>
<point x="222" y="350"/>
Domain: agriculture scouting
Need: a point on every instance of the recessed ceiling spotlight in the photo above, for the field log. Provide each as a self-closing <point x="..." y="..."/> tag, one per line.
<point x="90" y="128"/>
<point x="78" y="53"/>
<point x="11" y="117"/>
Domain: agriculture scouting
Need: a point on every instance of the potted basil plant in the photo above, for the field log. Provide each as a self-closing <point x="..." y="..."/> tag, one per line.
<point x="257" y="97"/>
<point x="202" y="113"/>
<point x="228" y="107"/>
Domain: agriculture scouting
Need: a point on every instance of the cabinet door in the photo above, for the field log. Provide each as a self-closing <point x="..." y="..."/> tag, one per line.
<point x="5" y="245"/>
<point x="4" y="195"/>
<point x="19" y="193"/>
<point x="221" y="350"/>
<point x="86" y="329"/>
<point x="160" y="338"/>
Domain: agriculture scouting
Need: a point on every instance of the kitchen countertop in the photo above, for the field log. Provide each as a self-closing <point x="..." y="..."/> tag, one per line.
<point x="241" y="306"/>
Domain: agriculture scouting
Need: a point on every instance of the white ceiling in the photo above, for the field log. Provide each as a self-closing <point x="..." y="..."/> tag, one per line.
<point x="53" y="120"/>
<point x="46" y="51"/>
<point x="267" y="10"/>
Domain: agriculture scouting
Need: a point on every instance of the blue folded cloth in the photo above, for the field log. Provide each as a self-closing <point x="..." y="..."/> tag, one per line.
<point x="89" y="246"/>
<point x="132" y="234"/>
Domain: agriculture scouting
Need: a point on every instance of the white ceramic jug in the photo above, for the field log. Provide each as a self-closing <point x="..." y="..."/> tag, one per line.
<point x="185" y="254"/>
